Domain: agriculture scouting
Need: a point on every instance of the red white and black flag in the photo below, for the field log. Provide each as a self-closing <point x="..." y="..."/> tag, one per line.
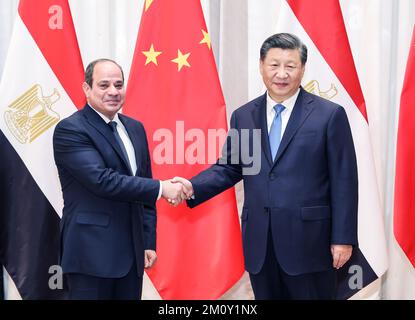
<point x="404" y="214"/>
<point x="331" y="73"/>
<point x="41" y="84"/>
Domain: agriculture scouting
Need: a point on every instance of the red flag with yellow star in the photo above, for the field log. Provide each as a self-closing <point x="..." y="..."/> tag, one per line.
<point x="174" y="91"/>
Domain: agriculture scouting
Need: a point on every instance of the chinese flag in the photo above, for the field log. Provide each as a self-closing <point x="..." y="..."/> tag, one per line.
<point x="175" y="92"/>
<point x="404" y="215"/>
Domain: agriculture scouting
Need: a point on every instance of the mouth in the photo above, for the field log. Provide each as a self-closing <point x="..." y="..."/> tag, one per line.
<point x="280" y="85"/>
<point x="112" y="102"/>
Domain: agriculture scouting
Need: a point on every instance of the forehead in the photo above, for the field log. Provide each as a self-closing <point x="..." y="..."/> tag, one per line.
<point x="106" y="69"/>
<point x="283" y="54"/>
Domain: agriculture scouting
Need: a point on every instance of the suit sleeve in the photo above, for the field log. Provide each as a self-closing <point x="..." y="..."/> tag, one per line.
<point x="225" y="173"/>
<point x="343" y="179"/>
<point x="76" y="156"/>
<point x="149" y="214"/>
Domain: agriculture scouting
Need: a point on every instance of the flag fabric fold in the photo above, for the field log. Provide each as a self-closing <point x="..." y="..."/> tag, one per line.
<point x="404" y="211"/>
<point x="175" y="92"/>
<point x="331" y="73"/>
<point x="41" y="84"/>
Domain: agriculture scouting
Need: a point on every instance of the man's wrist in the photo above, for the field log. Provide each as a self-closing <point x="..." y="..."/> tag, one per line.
<point x="160" y="190"/>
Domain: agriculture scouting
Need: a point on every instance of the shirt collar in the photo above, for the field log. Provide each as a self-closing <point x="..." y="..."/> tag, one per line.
<point x="288" y="104"/>
<point x="105" y="118"/>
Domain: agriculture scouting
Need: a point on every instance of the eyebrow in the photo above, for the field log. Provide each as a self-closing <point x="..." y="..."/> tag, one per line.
<point x="287" y="62"/>
<point x="107" y="81"/>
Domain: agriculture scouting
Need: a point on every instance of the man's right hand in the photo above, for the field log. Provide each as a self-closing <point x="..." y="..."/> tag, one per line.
<point x="187" y="186"/>
<point x="174" y="193"/>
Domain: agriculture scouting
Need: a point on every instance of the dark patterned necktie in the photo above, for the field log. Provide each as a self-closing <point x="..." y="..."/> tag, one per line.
<point x="117" y="137"/>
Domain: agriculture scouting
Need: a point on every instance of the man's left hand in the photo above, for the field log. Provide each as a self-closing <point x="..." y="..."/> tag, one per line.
<point x="341" y="254"/>
<point x="150" y="257"/>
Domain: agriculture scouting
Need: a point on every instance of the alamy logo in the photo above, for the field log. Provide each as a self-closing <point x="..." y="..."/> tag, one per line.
<point x="56" y="280"/>
<point x="356" y="278"/>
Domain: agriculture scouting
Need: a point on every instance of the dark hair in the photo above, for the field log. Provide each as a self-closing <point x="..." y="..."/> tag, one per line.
<point x="90" y="70"/>
<point x="284" y="41"/>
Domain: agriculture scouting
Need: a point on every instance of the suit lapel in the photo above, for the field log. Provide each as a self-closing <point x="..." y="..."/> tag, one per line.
<point x="302" y="109"/>
<point x="99" y="124"/>
<point x="135" y="139"/>
<point x="259" y="115"/>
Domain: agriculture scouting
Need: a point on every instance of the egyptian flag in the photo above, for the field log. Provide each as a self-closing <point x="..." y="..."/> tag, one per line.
<point x="174" y="90"/>
<point x="41" y="84"/>
<point x="404" y="215"/>
<point x="331" y="74"/>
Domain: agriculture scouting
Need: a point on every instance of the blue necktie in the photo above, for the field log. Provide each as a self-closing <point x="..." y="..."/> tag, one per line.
<point x="275" y="131"/>
<point x="117" y="137"/>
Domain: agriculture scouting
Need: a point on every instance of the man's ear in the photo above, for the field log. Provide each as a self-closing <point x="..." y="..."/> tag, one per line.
<point x="86" y="88"/>
<point x="261" y="66"/>
<point x="303" y="66"/>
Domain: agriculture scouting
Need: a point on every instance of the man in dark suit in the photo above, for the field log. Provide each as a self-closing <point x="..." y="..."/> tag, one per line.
<point x="299" y="218"/>
<point x="108" y="226"/>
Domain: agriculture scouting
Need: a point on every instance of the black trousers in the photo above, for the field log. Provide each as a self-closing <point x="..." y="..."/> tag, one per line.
<point x="272" y="283"/>
<point x="85" y="287"/>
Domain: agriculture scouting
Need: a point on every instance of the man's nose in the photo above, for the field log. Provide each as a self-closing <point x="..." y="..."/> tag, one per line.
<point x="281" y="73"/>
<point x="112" y="90"/>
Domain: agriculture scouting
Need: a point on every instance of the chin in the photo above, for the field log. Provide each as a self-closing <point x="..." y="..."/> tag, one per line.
<point x="113" y="107"/>
<point x="280" y="93"/>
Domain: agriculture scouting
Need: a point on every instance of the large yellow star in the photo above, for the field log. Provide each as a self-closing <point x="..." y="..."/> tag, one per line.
<point x="181" y="60"/>
<point x="206" y="38"/>
<point x="151" y="55"/>
<point x="148" y="4"/>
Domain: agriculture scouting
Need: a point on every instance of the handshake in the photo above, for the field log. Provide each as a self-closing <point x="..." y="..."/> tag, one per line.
<point x="176" y="190"/>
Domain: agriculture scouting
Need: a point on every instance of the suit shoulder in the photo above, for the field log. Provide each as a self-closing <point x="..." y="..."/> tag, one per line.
<point x="322" y="103"/>
<point x="72" y="121"/>
<point x="131" y="121"/>
<point x="134" y="124"/>
<point x="69" y="129"/>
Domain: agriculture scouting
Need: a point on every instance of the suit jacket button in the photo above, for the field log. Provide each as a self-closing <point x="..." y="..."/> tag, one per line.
<point x="271" y="176"/>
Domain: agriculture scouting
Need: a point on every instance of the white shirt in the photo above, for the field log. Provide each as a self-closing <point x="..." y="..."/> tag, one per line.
<point x="285" y="114"/>
<point x="126" y="141"/>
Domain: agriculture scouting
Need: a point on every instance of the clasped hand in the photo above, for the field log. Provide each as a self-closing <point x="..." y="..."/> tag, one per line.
<point x="176" y="190"/>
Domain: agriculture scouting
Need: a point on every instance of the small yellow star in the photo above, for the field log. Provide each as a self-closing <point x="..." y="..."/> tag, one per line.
<point x="151" y="55"/>
<point x="181" y="60"/>
<point x="148" y="4"/>
<point x="206" y="38"/>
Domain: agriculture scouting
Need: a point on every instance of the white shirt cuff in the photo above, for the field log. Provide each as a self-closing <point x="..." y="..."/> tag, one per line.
<point x="160" y="191"/>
